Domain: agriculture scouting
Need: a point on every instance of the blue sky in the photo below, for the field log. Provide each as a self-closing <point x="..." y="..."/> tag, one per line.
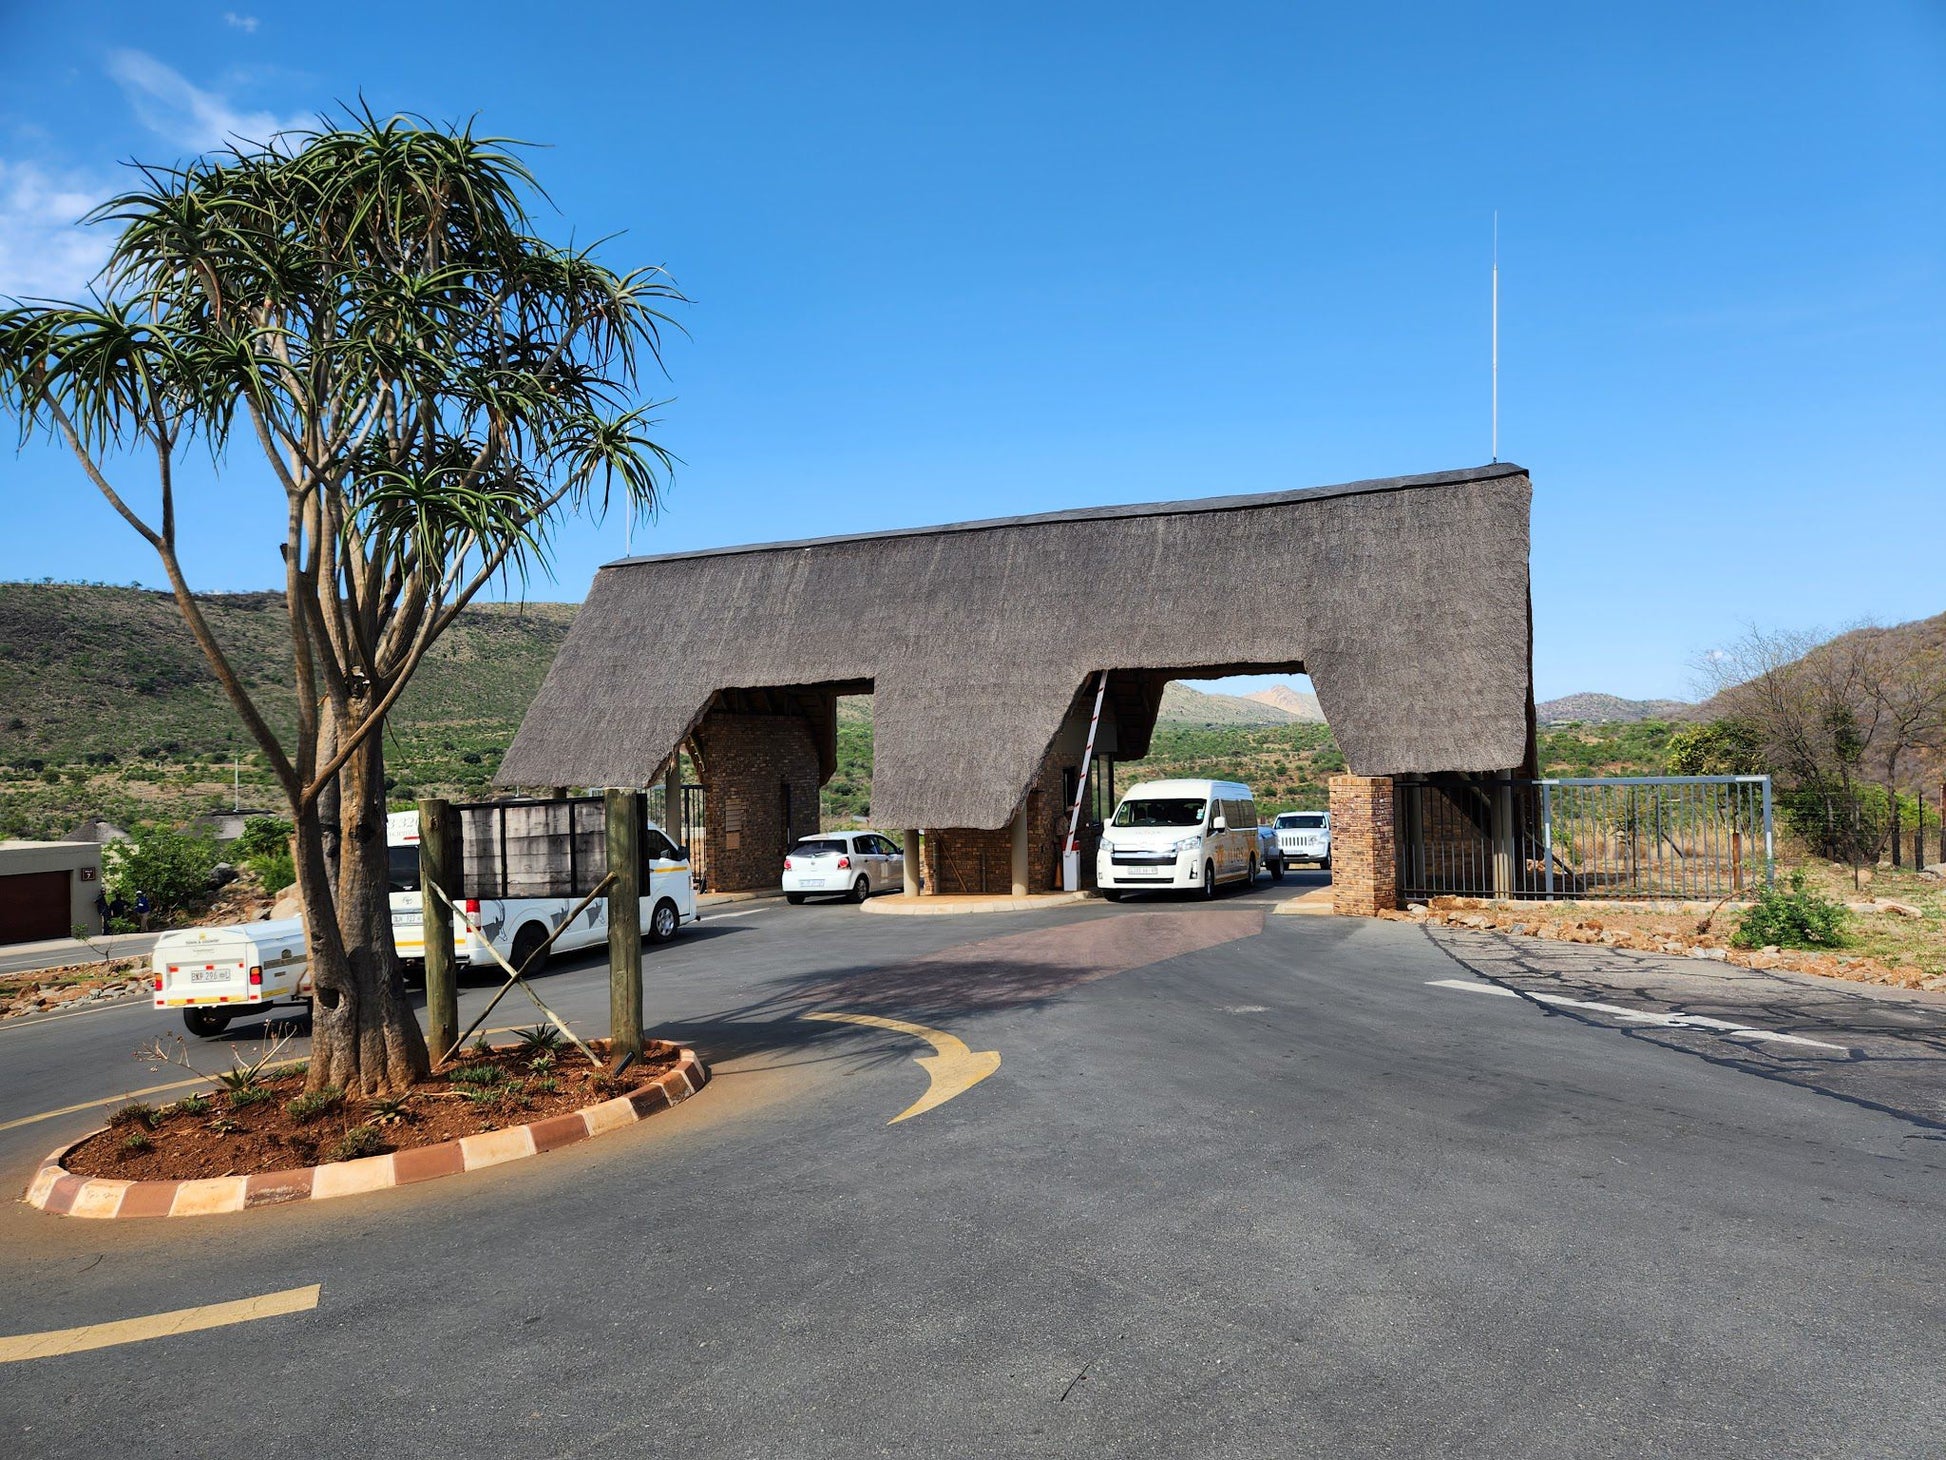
<point x="953" y="263"/>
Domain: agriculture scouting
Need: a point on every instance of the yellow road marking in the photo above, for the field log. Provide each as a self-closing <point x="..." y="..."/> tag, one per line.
<point x="159" y="1325"/>
<point x="953" y="1070"/>
<point x="159" y="1090"/>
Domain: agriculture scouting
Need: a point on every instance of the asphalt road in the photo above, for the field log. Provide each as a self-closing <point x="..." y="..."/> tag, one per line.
<point x="1243" y="1185"/>
<point x="59" y="952"/>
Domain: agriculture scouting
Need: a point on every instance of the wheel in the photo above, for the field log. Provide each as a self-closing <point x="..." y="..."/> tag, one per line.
<point x="529" y="938"/>
<point x="663" y="922"/>
<point x="860" y="890"/>
<point x="205" y="1023"/>
<point x="1253" y="872"/>
<point x="1111" y="894"/>
<point x="1209" y="880"/>
<point x="1277" y="871"/>
<point x="1325" y="865"/>
<point x="795" y="899"/>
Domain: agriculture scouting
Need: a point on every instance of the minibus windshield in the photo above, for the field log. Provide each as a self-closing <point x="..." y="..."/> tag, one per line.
<point x="403" y="868"/>
<point x="1164" y="811"/>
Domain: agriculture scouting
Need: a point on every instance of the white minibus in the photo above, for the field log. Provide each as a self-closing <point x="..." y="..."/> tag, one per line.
<point x="1179" y="834"/>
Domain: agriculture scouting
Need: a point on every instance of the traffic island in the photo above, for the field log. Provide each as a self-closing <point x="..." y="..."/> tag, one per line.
<point x="209" y="1154"/>
<point x="948" y="903"/>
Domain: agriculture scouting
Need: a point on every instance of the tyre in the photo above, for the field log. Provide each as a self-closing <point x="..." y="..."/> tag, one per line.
<point x="795" y="899"/>
<point x="1325" y="865"/>
<point x="860" y="890"/>
<point x="1253" y="873"/>
<point x="205" y="1023"/>
<point x="1277" y="871"/>
<point x="663" y="922"/>
<point x="1209" y="881"/>
<point x="529" y="938"/>
<point x="1111" y="894"/>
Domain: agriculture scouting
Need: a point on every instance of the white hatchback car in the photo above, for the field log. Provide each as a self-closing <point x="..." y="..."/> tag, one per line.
<point x="848" y="864"/>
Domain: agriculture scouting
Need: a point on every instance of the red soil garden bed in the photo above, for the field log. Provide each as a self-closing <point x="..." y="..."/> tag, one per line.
<point x="274" y="1126"/>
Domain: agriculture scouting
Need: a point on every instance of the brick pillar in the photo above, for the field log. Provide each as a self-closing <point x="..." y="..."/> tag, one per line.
<point x="760" y="777"/>
<point x="1364" y="853"/>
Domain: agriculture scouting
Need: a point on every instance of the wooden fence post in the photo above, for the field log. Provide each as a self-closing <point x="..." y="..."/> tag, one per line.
<point x="626" y="811"/>
<point x="439" y="867"/>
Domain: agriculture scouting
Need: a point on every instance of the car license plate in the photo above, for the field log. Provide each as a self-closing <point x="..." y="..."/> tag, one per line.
<point x="811" y="881"/>
<point x="209" y="975"/>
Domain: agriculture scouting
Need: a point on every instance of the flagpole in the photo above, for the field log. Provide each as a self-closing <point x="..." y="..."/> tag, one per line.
<point x="1496" y="334"/>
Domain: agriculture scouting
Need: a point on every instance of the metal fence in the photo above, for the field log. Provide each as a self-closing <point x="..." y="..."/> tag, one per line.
<point x="1629" y="837"/>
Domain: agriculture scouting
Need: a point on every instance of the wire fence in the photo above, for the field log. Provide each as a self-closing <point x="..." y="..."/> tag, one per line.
<point x="1691" y="838"/>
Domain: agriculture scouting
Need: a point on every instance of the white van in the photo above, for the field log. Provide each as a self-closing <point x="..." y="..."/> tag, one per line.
<point x="215" y="975"/>
<point x="1179" y="834"/>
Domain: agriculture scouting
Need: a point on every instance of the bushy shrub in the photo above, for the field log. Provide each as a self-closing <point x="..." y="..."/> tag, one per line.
<point x="171" y="866"/>
<point x="263" y="836"/>
<point x="1799" y="918"/>
<point x="1719" y="748"/>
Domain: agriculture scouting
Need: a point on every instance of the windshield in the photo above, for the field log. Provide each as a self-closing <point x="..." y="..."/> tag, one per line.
<point x="820" y="849"/>
<point x="1302" y="820"/>
<point x="1165" y="811"/>
<point x="403" y="869"/>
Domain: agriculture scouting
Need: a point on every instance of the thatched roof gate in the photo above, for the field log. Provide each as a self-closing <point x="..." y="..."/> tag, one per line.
<point x="1405" y="599"/>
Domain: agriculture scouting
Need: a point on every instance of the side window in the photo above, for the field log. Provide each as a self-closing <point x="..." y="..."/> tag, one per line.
<point x="658" y="848"/>
<point x="1247" y="815"/>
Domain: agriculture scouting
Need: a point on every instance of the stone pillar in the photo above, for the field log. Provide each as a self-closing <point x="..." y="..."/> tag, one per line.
<point x="1364" y="852"/>
<point x="912" y="864"/>
<point x="1018" y="881"/>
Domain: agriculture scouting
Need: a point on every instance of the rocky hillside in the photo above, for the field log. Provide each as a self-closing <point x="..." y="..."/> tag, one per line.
<point x="1601" y="709"/>
<point x="1299" y="704"/>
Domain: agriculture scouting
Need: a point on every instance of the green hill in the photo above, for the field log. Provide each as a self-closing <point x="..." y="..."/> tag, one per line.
<point x="108" y="709"/>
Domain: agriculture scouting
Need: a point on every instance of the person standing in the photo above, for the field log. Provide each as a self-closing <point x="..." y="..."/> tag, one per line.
<point x="142" y="909"/>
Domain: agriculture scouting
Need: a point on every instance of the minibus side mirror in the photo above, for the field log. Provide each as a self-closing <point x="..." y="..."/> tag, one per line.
<point x="1219" y="824"/>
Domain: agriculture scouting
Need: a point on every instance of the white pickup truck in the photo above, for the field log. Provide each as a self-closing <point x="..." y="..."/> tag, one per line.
<point x="1305" y="836"/>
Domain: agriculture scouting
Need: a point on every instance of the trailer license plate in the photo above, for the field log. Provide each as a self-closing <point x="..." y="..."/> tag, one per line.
<point x="209" y="975"/>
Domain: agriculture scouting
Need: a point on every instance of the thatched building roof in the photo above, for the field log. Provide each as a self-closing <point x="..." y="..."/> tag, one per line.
<point x="1405" y="599"/>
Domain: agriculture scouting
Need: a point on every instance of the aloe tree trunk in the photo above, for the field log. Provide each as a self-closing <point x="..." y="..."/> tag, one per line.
<point x="365" y="1037"/>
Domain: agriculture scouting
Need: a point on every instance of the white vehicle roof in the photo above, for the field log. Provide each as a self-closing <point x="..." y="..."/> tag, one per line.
<point x="1158" y="790"/>
<point x="264" y="933"/>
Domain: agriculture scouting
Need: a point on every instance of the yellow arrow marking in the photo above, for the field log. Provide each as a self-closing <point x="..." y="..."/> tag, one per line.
<point x="160" y="1325"/>
<point x="954" y="1070"/>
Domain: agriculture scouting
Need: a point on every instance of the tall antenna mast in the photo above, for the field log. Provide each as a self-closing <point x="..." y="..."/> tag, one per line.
<point x="1496" y="334"/>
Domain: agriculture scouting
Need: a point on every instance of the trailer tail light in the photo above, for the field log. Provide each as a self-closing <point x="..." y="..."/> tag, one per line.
<point x="158" y="983"/>
<point x="472" y="905"/>
<point x="256" y="976"/>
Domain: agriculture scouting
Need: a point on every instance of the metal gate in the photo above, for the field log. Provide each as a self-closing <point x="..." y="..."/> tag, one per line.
<point x="1694" y="838"/>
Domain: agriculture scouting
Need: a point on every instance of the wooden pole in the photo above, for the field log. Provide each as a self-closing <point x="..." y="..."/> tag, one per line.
<point x="439" y="867"/>
<point x="626" y="813"/>
<point x="911" y="888"/>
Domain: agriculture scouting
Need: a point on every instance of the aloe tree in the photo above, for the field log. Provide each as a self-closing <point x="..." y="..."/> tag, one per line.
<point x="363" y="319"/>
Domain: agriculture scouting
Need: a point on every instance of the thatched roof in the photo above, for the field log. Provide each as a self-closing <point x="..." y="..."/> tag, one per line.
<point x="1404" y="599"/>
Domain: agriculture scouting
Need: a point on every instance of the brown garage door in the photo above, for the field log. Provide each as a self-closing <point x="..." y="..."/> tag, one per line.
<point x="34" y="905"/>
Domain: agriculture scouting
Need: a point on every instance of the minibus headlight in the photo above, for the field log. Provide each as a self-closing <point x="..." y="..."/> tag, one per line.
<point x="1188" y="844"/>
